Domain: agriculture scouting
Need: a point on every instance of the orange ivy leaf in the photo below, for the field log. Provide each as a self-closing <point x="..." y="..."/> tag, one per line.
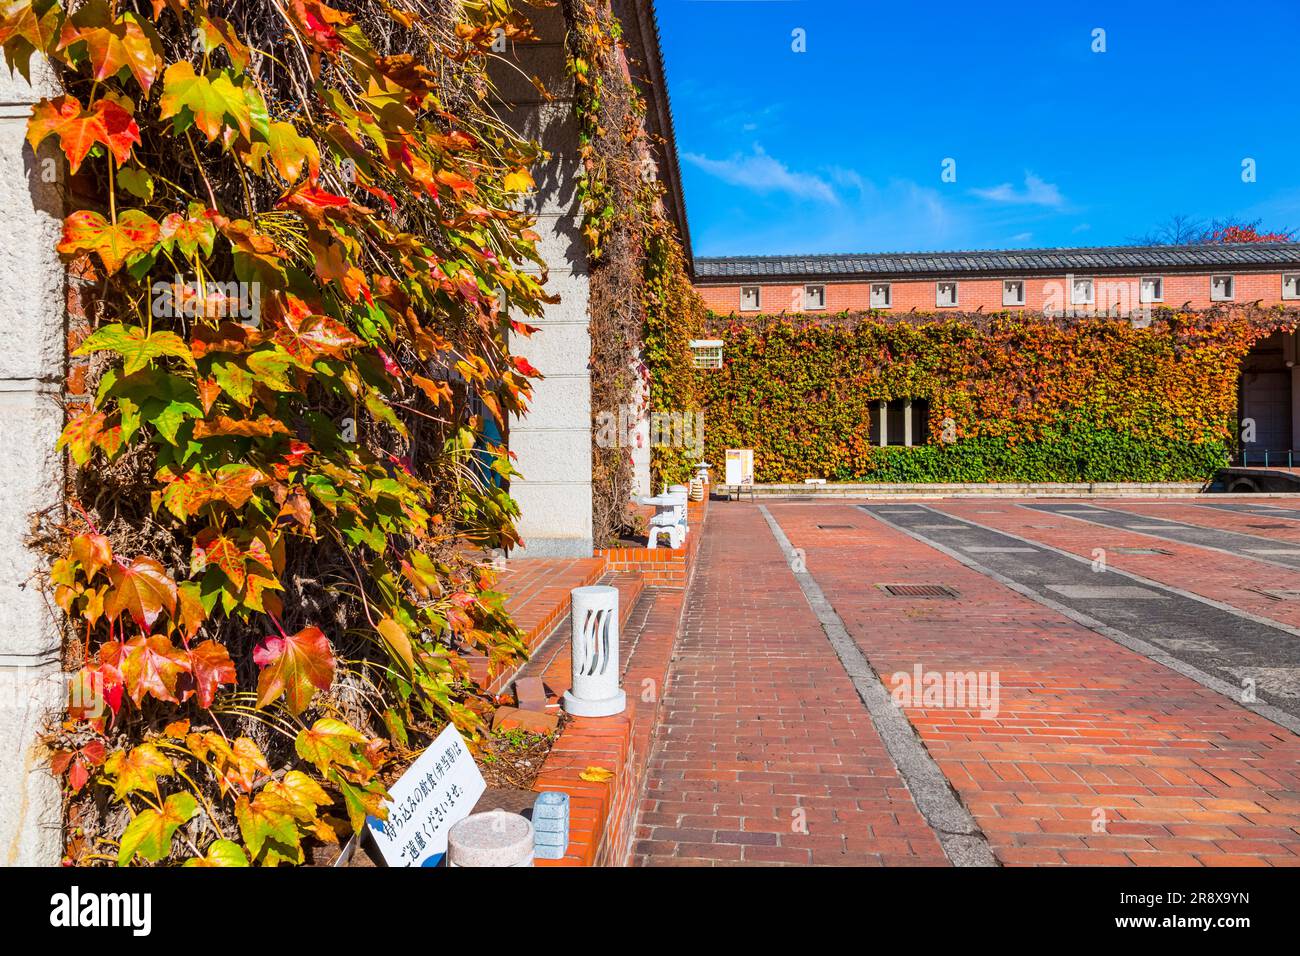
<point x="82" y="434"/>
<point x="191" y="233"/>
<point x="289" y="152"/>
<point x="211" y="547"/>
<point x="308" y="337"/>
<point x="152" y="665"/>
<point x="327" y="743"/>
<point x="209" y="391"/>
<point x="319" y="22"/>
<point x="215" y="32"/>
<point x="138" y="769"/>
<point x="261" y="427"/>
<point x="455" y="181"/>
<point x="236" y="765"/>
<point x="141" y="588"/>
<point x="20" y="22"/>
<point x="210" y="667"/>
<point x="232" y="485"/>
<point x="93" y="552"/>
<point x="113" y="44"/>
<point x="134" y="233"/>
<point x="80" y="129"/>
<point x="294" y="666"/>
<point x="189" y="607"/>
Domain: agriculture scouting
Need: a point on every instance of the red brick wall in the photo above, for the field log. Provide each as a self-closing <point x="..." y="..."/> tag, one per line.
<point x="974" y="293"/>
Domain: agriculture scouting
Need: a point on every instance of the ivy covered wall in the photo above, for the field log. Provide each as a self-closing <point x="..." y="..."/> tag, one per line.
<point x="1010" y="397"/>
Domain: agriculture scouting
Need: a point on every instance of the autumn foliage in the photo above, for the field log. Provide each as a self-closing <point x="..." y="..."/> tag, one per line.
<point x="272" y="568"/>
<point x="1009" y="397"/>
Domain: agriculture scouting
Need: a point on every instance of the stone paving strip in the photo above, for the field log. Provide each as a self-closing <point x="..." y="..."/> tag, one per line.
<point x="1221" y="646"/>
<point x="1255" y="510"/>
<point x="1281" y="526"/>
<point x="765" y="754"/>
<point x="1092" y="752"/>
<point x="1253" y="546"/>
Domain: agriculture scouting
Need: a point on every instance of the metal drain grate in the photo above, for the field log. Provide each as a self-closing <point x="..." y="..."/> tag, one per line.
<point x="837" y="527"/>
<point x="1141" y="551"/>
<point x="918" y="590"/>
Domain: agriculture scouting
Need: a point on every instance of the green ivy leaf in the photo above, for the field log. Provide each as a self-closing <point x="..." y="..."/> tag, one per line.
<point x="150" y="833"/>
<point x="136" y="347"/>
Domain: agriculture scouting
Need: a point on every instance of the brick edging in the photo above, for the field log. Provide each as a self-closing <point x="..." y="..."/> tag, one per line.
<point x="602" y="820"/>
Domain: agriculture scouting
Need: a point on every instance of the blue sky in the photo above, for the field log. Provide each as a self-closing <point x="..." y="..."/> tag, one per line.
<point x="841" y="148"/>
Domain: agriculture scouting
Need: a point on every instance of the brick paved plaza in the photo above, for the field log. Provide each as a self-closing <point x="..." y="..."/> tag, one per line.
<point x="1128" y="692"/>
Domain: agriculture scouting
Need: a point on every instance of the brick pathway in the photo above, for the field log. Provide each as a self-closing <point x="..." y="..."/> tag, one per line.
<point x="1088" y="735"/>
<point x="762" y="730"/>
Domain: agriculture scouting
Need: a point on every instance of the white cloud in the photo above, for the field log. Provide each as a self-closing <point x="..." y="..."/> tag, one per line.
<point x="763" y="174"/>
<point x="1036" y="193"/>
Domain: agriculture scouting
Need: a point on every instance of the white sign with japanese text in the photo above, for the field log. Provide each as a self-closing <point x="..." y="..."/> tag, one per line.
<point x="439" y="788"/>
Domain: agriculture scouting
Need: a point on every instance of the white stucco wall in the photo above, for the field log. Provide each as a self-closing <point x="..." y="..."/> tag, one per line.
<point x="32" y="310"/>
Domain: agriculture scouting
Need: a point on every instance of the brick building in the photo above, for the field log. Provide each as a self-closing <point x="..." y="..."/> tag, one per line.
<point x="1114" y="280"/>
<point x="1118" y="279"/>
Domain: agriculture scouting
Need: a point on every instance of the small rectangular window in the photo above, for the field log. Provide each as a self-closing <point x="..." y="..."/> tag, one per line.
<point x="1082" y="292"/>
<point x="749" y="298"/>
<point x="1013" y="292"/>
<point x="1221" y="288"/>
<point x="814" y="297"/>
<point x="1152" y="289"/>
<point x="707" y="353"/>
<point x="1291" y="285"/>
<point x="881" y="295"/>
<point x="945" y="294"/>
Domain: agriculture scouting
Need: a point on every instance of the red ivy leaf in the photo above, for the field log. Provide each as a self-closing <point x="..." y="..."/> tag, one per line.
<point x="105" y="123"/>
<point x="295" y="666"/>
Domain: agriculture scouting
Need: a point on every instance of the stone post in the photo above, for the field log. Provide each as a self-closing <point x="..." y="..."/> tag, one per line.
<point x="552" y="443"/>
<point x="32" y="315"/>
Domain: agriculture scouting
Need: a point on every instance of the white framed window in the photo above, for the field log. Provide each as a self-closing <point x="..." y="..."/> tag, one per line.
<point x="1222" y="288"/>
<point x="706" y="353"/>
<point x="750" y="300"/>
<point x="1151" y="289"/>
<point x="1291" y="285"/>
<point x="814" y="297"/>
<point x="1013" y="292"/>
<point x="1083" y="292"/>
<point x="882" y="296"/>
<point x="945" y="294"/>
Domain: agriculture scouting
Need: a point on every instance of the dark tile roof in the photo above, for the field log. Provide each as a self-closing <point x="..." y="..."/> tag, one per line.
<point x="1249" y="255"/>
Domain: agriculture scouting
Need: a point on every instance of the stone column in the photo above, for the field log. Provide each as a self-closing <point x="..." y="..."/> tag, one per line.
<point x="907" y="422"/>
<point x="552" y="443"/>
<point x="884" y="424"/>
<point x="32" y="315"/>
